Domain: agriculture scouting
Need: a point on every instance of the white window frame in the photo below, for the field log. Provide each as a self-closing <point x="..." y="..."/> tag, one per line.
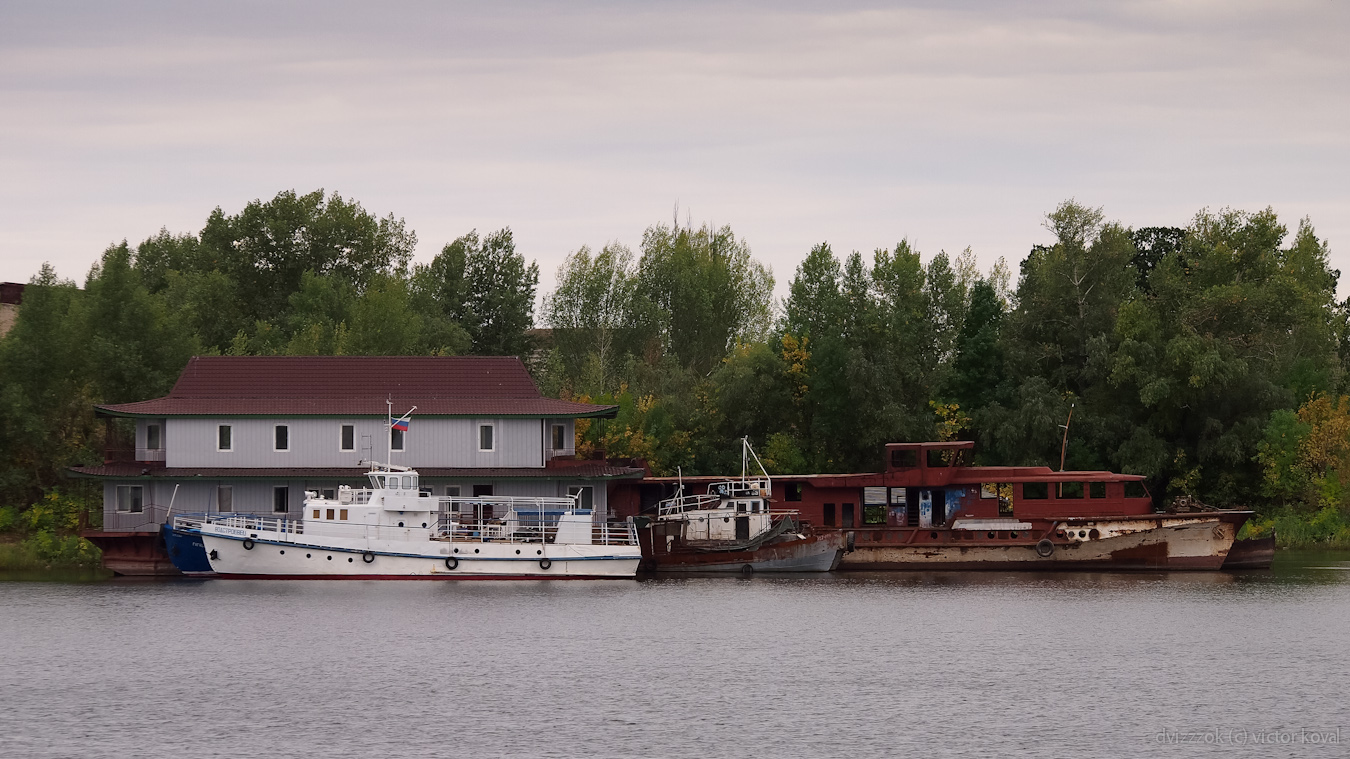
<point x="229" y="427"/>
<point x="493" y="434"/>
<point x="118" y="505"/>
<point x="275" y="488"/>
<point x="558" y="436"/>
<point x="286" y="427"/>
<point x="398" y="440"/>
<point x="341" y="431"/>
<point x="159" y="433"/>
<point x="224" y="489"/>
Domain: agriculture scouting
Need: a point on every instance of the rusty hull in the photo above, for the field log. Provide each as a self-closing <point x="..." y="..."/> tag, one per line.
<point x="1154" y="542"/>
<point x="820" y="552"/>
<point x="135" y="554"/>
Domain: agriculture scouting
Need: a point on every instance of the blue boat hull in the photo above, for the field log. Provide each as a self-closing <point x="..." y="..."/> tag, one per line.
<point x="186" y="551"/>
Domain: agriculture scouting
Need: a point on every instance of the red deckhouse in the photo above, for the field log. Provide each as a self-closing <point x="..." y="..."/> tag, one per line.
<point x="928" y="508"/>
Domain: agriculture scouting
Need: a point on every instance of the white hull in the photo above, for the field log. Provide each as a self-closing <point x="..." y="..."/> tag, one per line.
<point x="429" y="559"/>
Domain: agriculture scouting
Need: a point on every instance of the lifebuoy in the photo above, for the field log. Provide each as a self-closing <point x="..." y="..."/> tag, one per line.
<point x="451" y="562"/>
<point x="544" y="563"/>
<point x="367" y="557"/>
<point x="248" y="544"/>
<point x="1045" y="548"/>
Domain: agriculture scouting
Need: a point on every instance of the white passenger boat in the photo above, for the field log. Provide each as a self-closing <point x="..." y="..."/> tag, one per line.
<point x="393" y="530"/>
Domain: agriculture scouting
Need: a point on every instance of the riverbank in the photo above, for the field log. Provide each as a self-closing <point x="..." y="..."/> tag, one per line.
<point x="1327" y="528"/>
<point x="46" y="552"/>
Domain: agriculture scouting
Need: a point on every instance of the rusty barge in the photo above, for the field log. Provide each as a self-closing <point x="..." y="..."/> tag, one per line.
<point x="930" y="509"/>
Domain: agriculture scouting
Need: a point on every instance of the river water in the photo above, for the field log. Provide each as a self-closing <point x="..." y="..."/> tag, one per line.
<point x="847" y="665"/>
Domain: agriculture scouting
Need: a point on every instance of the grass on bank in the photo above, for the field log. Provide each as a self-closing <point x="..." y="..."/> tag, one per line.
<point x="1328" y="527"/>
<point x="44" y="536"/>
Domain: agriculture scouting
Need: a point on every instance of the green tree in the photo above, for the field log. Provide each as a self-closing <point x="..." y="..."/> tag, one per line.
<point x="484" y="285"/>
<point x="590" y="312"/>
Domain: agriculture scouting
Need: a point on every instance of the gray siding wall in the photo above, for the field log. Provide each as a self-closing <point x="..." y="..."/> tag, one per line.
<point x="255" y="496"/>
<point x="315" y="442"/>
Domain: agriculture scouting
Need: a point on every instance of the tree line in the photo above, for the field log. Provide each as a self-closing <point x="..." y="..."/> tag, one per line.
<point x="1211" y="358"/>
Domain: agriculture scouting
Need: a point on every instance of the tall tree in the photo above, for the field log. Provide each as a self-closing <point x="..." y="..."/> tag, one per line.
<point x="484" y="284"/>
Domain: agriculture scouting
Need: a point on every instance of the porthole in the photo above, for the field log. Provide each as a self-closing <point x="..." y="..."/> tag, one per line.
<point x="475" y="550"/>
<point x="349" y="559"/>
<point x="309" y="556"/>
<point x="1012" y="535"/>
<point x="1094" y="534"/>
<point x="282" y="551"/>
<point x="424" y="524"/>
<point x="933" y="535"/>
<point x="539" y="553"/>
<point x="992" y="536"/>
<point x="456" y="550"/>
<point x="1082" y="533"/>
<point x="400" y="524"/>
<point x="330" y="558"/>
<point x="517" y="551"/>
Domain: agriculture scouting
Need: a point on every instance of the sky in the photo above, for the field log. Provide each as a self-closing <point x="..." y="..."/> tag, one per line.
<point x="950" y="124"/>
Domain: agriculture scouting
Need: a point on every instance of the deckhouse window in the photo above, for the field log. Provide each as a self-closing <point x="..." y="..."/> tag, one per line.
<point x="224" y="438"/>
<point x="1035" y="491"/>
<point x="348" y="441"/>
<point x="1135" y="489"/>
<point x="396" y="440"/>
<point x="485" y="442"/>
<point x="225" y="498"/>
<point x="1070" y="490"/>
<point x="904" y="459"/>
<point x="281" y="437"/>
<point x="281" y="499"/>
<point x="130" y="498"/>
<point x="1097" y="489"/>
<point x="153" y="440"/>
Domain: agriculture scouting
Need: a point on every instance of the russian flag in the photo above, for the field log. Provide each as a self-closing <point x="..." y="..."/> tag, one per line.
<point x="401" y="425"/>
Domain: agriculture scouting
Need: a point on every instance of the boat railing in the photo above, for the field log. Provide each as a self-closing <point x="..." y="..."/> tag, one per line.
<point x="683" y="503"/>
<point x="530" y="527"/>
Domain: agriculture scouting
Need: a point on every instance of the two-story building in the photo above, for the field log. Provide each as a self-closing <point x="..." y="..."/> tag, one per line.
<point x="251" y="434"/>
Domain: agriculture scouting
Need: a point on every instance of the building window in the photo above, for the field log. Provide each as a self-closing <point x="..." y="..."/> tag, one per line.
<point x="130" y="498"/>
<point x="281" y="499"/>
<point x="559" y="431"/>
<point x="225" y="498"/>
<point x="348" y="441"/>
<point x="281" y="438"/>
<point x="485" y="437"/>
<point x="585" y="491"/>
<point x="396" y="440"/>
<point x="153" y="440"/>
<point x="224" y="438"/>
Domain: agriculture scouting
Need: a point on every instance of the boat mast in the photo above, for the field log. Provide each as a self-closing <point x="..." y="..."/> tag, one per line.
<point x="1064" y="446"/>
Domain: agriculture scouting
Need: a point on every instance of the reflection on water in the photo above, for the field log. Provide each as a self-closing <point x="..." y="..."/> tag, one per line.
<point x="849" y="665"/>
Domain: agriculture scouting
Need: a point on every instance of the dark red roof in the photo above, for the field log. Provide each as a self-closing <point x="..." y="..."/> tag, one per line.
<point x="355" y="386"/>
<point x="593" y="470"/>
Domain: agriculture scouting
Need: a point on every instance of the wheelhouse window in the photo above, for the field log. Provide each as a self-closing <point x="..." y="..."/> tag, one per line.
<point x="1097" y="489"/>
<point x="281" y="437"/>
<point x="154" y="440"/>
<point x="1003" y="491"/>
<point x="130" y="498"/>
<point x="225" y="498"/>
<point x="559" y="433"/>
<point x="1036" y="491"/>
<point x="396" y="439"/>
<point x="485" y="441"/>
<point x="224" y="437"/>
<point x="1070" y="490"/>
<point x="904" y="459"/>
<point x="1135" y="489"/>
<point x="281" y="499"/>
<point x="347" y="441"/>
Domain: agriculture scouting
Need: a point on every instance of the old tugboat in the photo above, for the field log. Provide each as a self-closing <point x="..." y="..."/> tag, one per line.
<point x="732" y="528"/>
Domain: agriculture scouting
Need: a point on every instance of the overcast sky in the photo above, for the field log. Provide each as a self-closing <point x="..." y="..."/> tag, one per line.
<point x="953" y="124"/>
